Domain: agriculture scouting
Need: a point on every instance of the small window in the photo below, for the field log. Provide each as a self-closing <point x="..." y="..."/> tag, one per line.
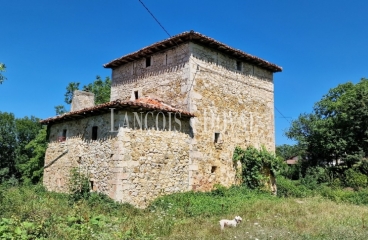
<point x="217" y="137"/>
<point x="148" y="61"/>
<point x="238" y="65"/>
<point x="94" y="133"/>
<point x="62" y="138"/>
<point x="213" y="169"/>
<point x="136" y="94"/>
<point x="166" y="59"/>
<point x="91" y="185"/>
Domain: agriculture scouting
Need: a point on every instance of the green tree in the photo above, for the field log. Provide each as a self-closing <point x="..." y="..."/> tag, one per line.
<point x="337" y="128"/>
<point x="287" y="151"/>
<point x="32" y="169"/>
<point x="26" y="130"/>
<point x="60" y="109"/>
<point x="2" y="69"/>
<point x="70" y="91"/>
<point x="101" y="89"/>
<point x="8" y="141"/>
<point x="15" y="134"/>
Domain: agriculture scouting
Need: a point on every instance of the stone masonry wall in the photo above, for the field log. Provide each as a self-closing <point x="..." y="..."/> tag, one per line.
<point x="236" y="104"/>
<point x="135" y="164"/>
<point x="82" y="99"/>
<point x="164" y="79"/>
<point x="233" y="107"/>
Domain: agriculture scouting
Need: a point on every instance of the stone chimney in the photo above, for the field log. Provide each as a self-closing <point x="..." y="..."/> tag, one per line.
<point x="81" y="100"/>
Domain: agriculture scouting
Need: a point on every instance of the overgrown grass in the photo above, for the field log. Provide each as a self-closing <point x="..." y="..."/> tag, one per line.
<point x="30" y="212"/>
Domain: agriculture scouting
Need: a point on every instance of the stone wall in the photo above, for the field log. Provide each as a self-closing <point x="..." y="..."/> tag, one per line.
<point x="163" y="80"/>
<point x="81" y="100"/>
<point x="231" y="98"/>
<point x="234" y="106"/>
<point x="133" y="165"/>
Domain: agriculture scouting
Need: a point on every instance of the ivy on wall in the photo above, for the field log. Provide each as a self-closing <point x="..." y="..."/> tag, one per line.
<point x="256" y="166"/>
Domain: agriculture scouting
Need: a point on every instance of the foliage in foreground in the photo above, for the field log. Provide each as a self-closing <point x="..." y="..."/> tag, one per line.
<point x="30" y="212"/>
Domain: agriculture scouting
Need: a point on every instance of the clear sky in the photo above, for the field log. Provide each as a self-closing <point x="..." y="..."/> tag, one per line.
<point x="47" y="44"/>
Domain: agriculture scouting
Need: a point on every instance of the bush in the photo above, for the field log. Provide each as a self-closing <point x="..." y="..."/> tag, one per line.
<point x="314" y="176"/>
<point x="256" y="165"/>
<point x="78" y="186"/>
<point x="355" y="179"/>
<point x="291" y="172"/>
<point x="363" y="167"/>
<point x="290" y="188"/>
<point x="207" y="204"/>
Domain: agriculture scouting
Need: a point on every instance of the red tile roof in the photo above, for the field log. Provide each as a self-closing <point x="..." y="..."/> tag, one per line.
<point x="196" y="38"/>
<point x="142" y="104"/>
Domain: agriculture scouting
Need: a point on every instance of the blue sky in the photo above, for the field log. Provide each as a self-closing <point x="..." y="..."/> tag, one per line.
<point x="47" y="44"/>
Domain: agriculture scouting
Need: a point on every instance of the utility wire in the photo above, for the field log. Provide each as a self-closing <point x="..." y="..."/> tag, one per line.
<point x="283" y="116"/>
<point x="190" y="86"/>
<point x="154" y="18"/>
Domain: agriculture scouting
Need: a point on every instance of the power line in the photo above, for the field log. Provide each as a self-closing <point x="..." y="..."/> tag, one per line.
<point x="283" y="116"/>
<point x="190" y="86"/>
<point x="154" y="18"/>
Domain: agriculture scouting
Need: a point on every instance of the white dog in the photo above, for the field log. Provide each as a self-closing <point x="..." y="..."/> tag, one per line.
<point x="230" y="223"/>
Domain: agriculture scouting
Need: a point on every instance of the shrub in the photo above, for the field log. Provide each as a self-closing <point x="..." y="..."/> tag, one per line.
<point x="314" y="176"/>
<point x="335" y="183"/>
<point x="78" y="186"/>
<point x="291" y="172"/>
<point x="255" y="164"/>
<point x="355" y="179"/>
<point x="290" y="188"/>
<point x="363" y="167"/>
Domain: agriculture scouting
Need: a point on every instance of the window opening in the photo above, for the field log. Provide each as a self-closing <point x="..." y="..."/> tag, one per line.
<point x="148" y="61"/>
<point x="63" y="136"/>
<point x="136" y="95"/>
<point x="217" y="137"/>
<point x="238" y="65"/>
<point x="64" y="133"/>
<point x="94" y="133"/>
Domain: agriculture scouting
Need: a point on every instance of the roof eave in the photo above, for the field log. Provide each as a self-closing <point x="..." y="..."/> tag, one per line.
<point x="193" y="37"/>
<point x="106" y="108"/>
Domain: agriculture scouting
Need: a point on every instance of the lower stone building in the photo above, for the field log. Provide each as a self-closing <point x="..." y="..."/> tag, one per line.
<point x="131" y="151"/>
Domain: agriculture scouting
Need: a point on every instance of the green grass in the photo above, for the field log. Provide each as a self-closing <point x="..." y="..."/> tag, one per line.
<point x="30" y="212"/>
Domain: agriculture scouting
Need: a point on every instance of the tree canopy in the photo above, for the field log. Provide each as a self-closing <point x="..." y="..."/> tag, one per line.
<point x="337" y="129"/>
<point x="101" y="89"/>
<point x="2" y="69"/>
<point x="15" y="149"/>
<point x="286" y="151"/>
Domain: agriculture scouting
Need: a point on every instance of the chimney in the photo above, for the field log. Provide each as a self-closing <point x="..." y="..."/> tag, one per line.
<point x="81" y="100"/>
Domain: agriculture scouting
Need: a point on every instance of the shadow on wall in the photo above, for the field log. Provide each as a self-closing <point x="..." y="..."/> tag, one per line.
<point x="102" y="128"/>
